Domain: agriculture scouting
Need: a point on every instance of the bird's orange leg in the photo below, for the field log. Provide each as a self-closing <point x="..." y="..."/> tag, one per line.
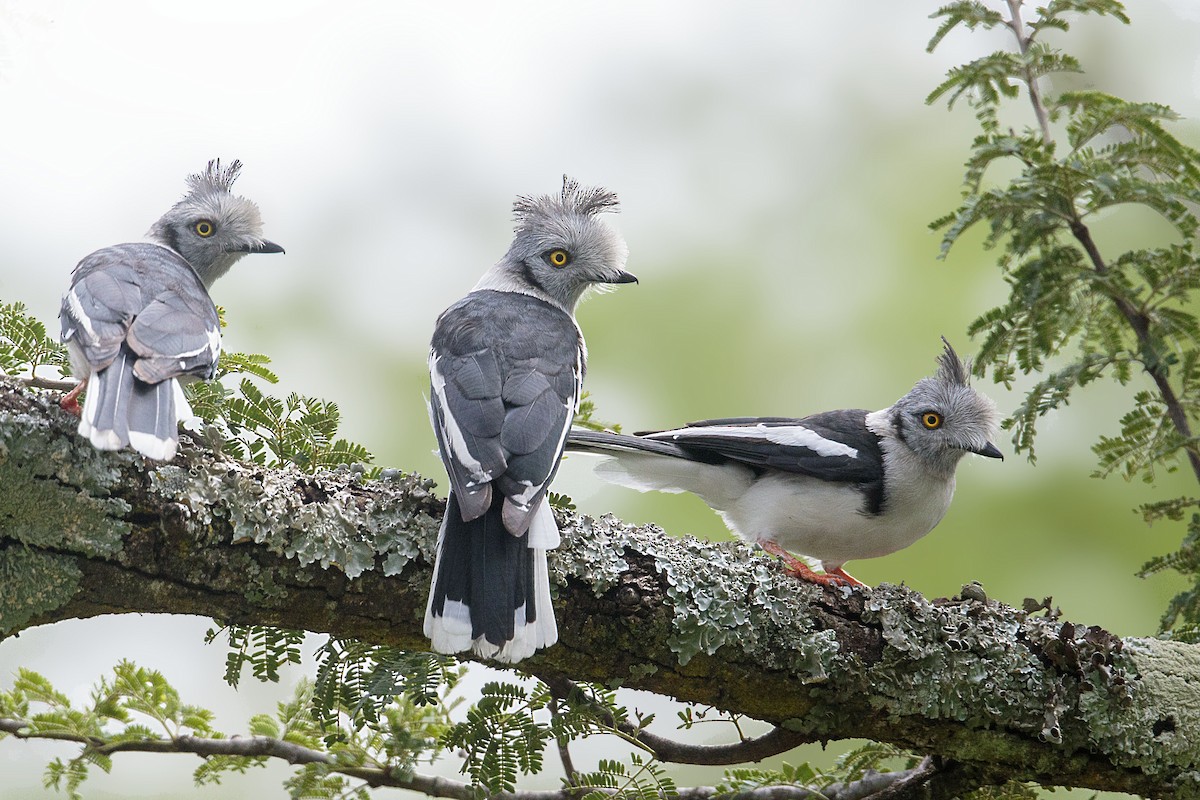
<point x="798" y="569"/>
<point x="845" y="576"/>
<point x="70" y="400"/>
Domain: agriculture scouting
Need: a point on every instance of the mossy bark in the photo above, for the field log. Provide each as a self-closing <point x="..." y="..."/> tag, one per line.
<point x="1004" y="693"/>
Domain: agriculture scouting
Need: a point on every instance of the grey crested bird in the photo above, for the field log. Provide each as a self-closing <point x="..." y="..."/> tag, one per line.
<point x="834" y="486"/>
<point x="137" y="319"/>
<point x="506" y="371"/>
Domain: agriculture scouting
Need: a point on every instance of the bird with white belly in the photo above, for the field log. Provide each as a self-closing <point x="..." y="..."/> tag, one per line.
<point x="834" y="486"/>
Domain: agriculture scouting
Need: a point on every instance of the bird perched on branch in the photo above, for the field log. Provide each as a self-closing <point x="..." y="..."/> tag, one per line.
<point x="137" y="319"/>
<point x="835" y="486"/>
<point x="506" y="371"/>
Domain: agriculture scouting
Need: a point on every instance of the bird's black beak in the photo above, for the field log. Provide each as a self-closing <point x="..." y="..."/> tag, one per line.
<point x="990" y="450"/>
<point x="263" y="247"/>
<point x="624" y="277"/>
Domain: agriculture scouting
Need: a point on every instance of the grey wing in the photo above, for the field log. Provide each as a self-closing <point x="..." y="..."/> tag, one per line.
<point x="178" y="334"/>
<point x="99" y="307"/>
<point x="150" y="297"/>
<point x="541" y="396"/>
<point x="506" y="375"/>
<point x="835" y="446"/>
<point x="468" y="415"/>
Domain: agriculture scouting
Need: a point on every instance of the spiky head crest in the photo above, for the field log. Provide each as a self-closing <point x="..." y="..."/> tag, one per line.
<point x="573" y="200"/>
<point x="951" y="368"/>
<point x="215" y="178"/>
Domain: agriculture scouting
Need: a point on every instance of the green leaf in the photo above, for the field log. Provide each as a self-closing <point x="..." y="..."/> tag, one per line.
<point x="24" y="345"/>
<point x="968" y="13"/>
<point x="500" y="738"/>
<point x="261" y="647"/>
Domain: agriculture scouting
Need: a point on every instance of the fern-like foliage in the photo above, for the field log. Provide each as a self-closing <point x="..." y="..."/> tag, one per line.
<point x="500" y="739"/>
<point x="260" y="647"/>
<point x="24" y="345"/>
<point x="1125" y="316"/>
<point x="253" y="425"/>
<point x="643" y="779"/>
<point x="361" y="680"/>
<point x="137" y="709"/>
<point x="133" y="705"/>
<point x="586" y="418"/>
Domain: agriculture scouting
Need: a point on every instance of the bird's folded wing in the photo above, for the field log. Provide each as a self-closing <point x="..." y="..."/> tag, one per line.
<point x="97" y="310"/>
<point x="834" y="446"/>
<point x="505" y="375"/>
<point x="177" y="334"/>
<point x="149" y="296"/>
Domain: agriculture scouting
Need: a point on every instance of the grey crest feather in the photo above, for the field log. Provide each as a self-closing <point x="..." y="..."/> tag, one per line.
<point x="215" y="178"/>
<point x="574" y="199"/>
<point x="951" y="368"/>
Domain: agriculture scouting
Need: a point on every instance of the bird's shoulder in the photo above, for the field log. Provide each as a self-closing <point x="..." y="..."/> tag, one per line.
<point x="504" y="321"/>
<point x="153" y="264"/>
<point x="504" y="334"/>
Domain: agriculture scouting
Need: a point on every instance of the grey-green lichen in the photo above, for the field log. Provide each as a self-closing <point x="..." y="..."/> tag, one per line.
<point x="966" y="643"/>
<point x="1165" y="677"/>
<point x="34" y="583"/>
<point x="328" y="518"/>
<point x="720" y="594"/>
<point x="53" y="489"/>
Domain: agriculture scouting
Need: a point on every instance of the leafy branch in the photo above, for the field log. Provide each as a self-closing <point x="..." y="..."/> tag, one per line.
<point x="25" y="348"/>
<point x="1087" y="154"/>
<point x="347" y="764"/>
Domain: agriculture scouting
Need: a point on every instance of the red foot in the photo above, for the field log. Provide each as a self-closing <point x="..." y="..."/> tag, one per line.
<point x="798" y="569"/>
<point x="70" y="400"/>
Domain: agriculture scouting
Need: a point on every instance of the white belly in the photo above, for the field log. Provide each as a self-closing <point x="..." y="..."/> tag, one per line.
<point x="826" y="521"/>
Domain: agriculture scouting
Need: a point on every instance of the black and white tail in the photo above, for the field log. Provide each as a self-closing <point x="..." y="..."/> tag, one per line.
<point x="651" y="465"/>
<point x="119" y="410"/>
<point x="491" y="589"/>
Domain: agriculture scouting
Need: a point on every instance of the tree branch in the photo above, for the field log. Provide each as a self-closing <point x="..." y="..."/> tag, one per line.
<point x="34" y="382"/>
<point x="997" y="691"/>
<point x="268" y="747"/>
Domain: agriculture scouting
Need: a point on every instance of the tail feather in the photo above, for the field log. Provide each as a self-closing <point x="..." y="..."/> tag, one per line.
<point x="153" y="425"/>
<point x="120" y="410"/>
<point x="604" y="443"/>
<point x="649" y="465"/>
<point x="104" y="420"/>
<point x="491" y="590"/>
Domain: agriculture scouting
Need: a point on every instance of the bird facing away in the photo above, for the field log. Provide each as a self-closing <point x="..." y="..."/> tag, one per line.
<point x="835" y="486"/>
<point x="137" y="319"/>
<point x="506" y="370"/>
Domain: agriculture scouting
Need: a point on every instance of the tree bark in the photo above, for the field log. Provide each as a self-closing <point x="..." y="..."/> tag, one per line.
<point x="1002" y="693"/>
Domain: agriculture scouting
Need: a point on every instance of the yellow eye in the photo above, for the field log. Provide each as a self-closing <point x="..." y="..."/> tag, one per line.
<point x="931" y="420"/>
<point x="558" y="258"/>
<point x="205" y="228"/>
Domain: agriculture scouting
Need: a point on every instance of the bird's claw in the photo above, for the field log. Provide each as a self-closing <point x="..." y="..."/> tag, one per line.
<point x="798" y="569"/>
<point x="70" y="400"/>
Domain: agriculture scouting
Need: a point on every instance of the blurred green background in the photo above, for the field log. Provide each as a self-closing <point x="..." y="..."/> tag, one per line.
<point x="777" y="167"/>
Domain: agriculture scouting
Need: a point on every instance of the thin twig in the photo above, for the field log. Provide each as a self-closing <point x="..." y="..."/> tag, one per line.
<point x="35" y="382"/>
<point x="563" y="745"/>
<point x="1035" y="93"/>
<point x="771" y="743"/>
